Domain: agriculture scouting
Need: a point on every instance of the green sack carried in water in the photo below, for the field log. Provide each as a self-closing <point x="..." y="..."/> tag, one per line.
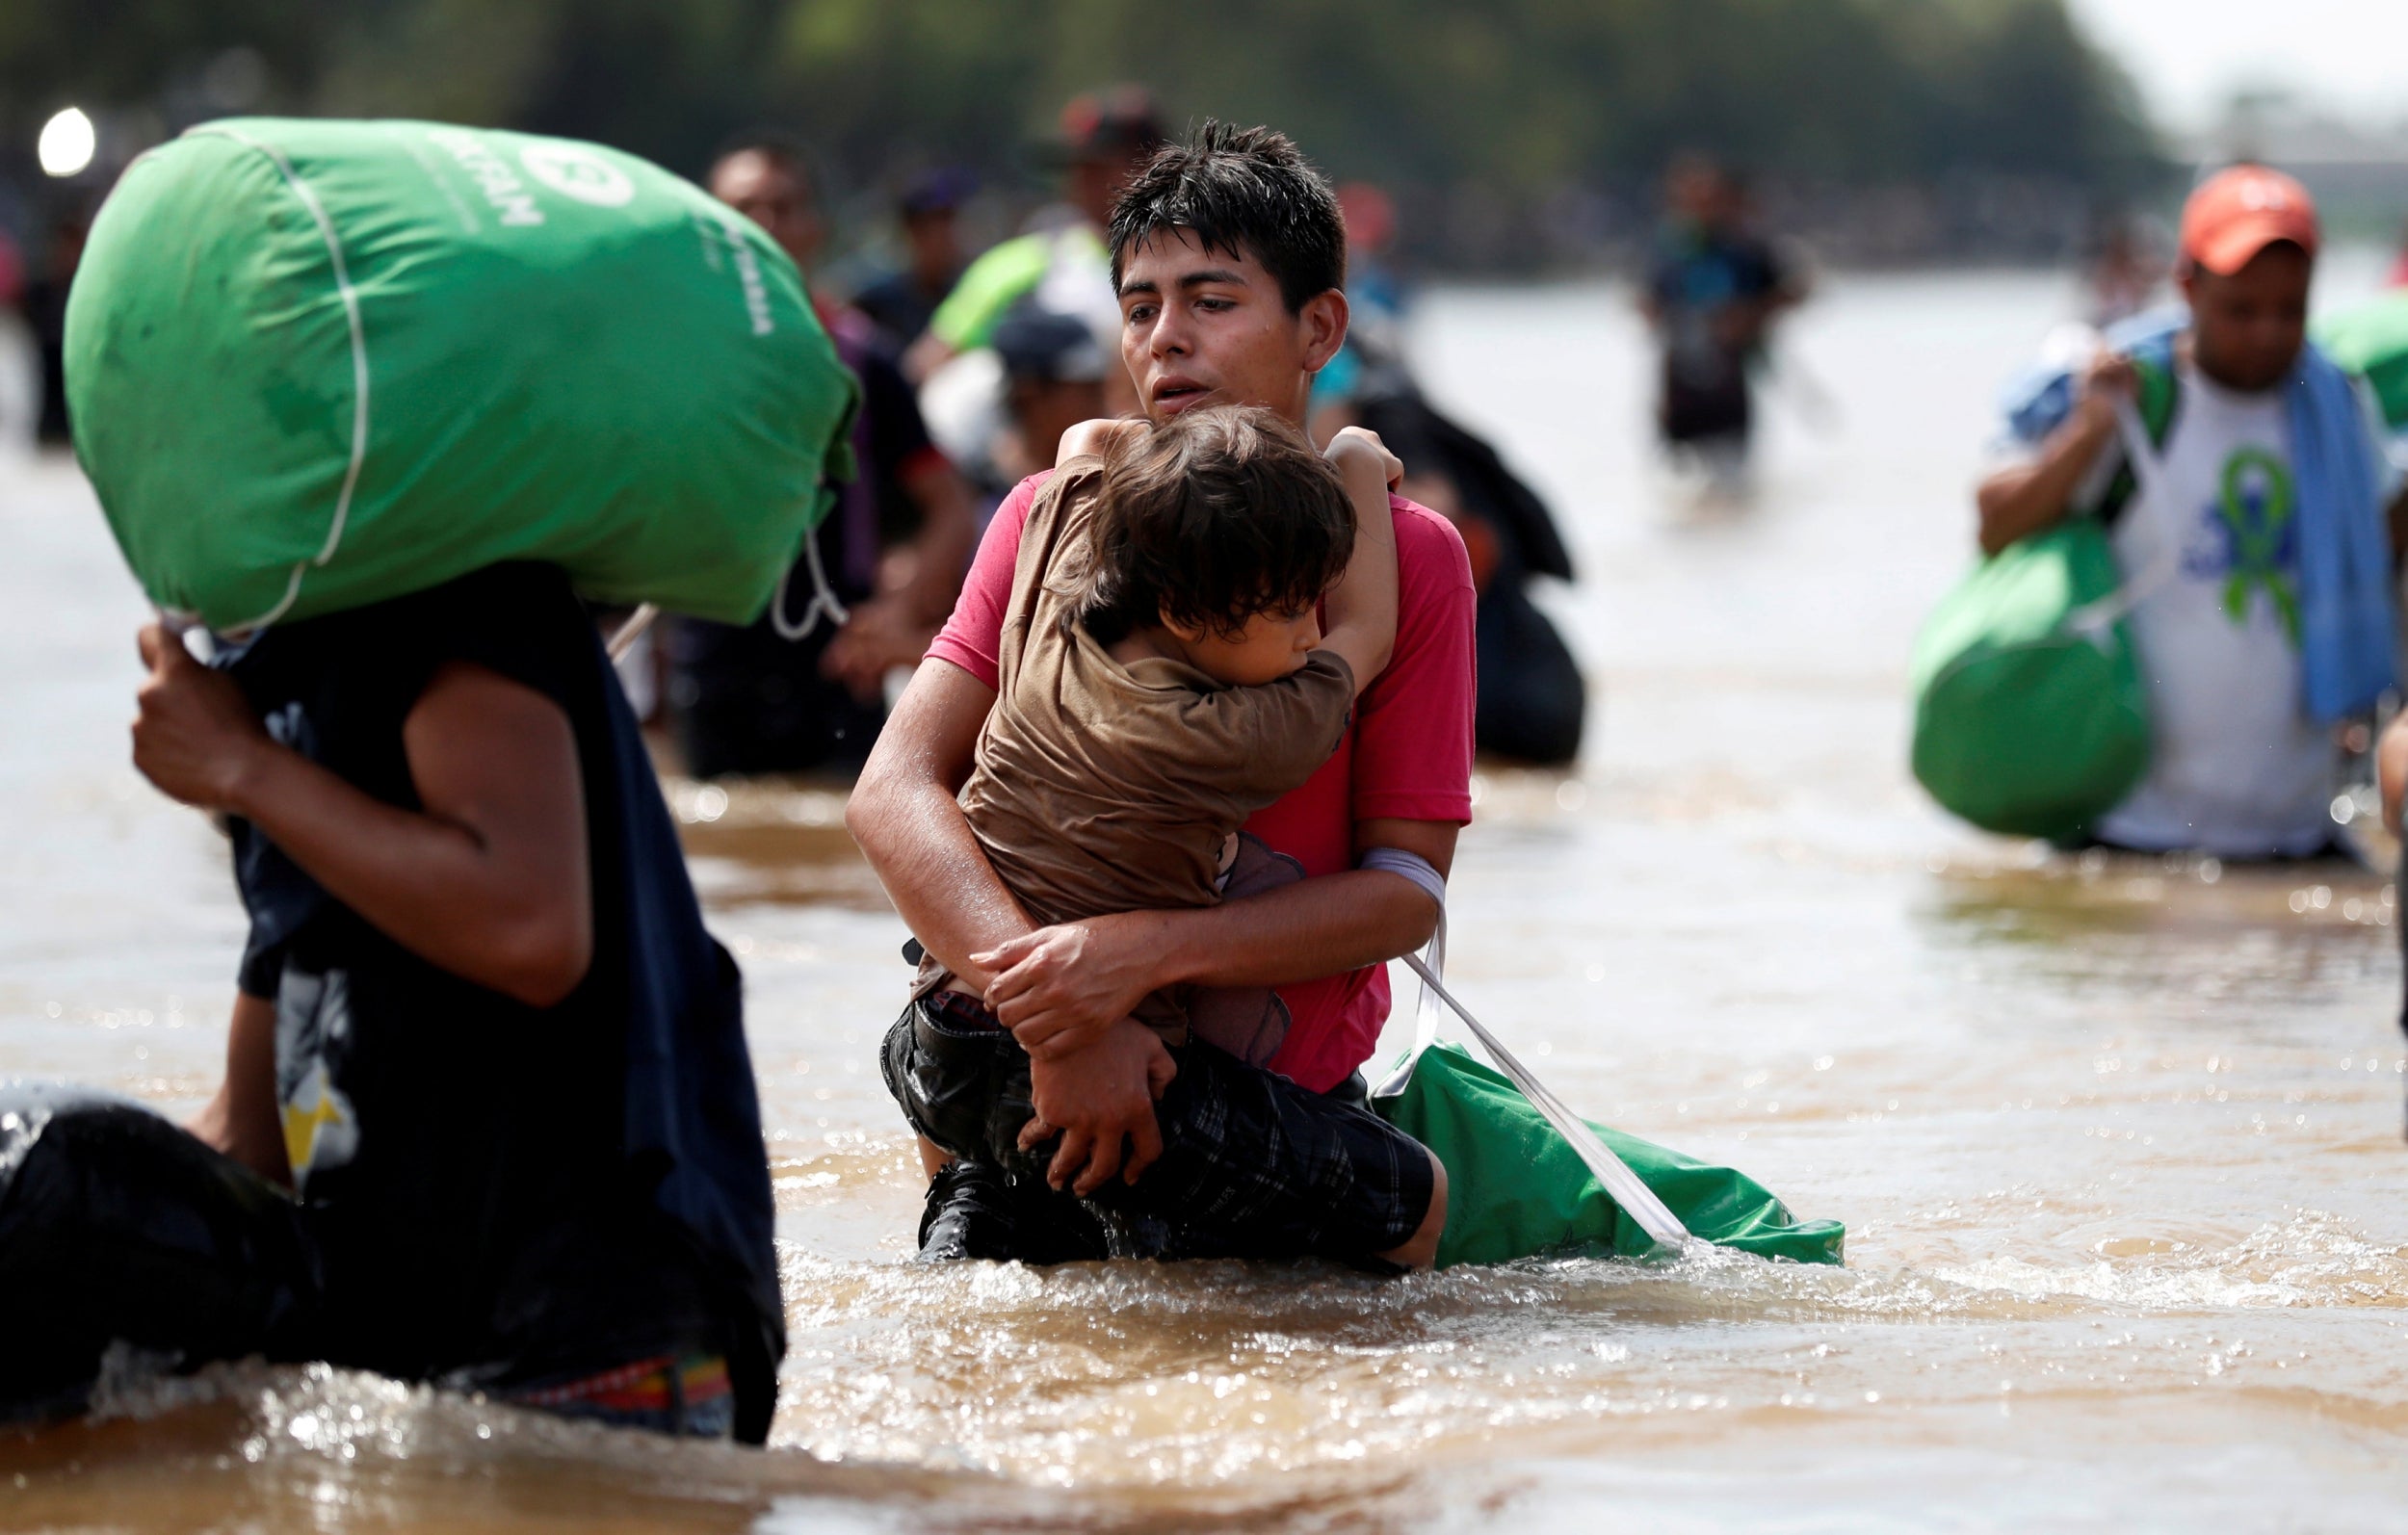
<point x="316" y="364"/>
<point x="2030" y="715"/>
<point x="2372" y="340"/>
<point x="2026" y="720"/>
<point x="1516" y="1188"/>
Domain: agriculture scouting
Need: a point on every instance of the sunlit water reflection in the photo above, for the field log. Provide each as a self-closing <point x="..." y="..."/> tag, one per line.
<point x="2117" y="1140"/>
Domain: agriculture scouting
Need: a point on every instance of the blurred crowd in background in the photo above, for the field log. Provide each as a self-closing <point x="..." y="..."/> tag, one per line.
<point x="919" y="166"/>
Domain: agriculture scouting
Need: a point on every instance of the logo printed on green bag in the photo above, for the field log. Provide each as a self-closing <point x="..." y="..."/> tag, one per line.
<point x="578" y="172"/>
<point x="508" y="194"/>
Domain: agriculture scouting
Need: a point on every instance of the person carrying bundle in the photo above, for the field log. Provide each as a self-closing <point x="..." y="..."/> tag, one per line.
<point x="488" y="1119"/>
<point x="1165" y="673"/>
<point x="2253" y="549"/>
<point x="1229" y="260"/>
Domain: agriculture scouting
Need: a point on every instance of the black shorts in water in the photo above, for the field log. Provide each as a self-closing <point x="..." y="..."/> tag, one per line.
<point x="120" y="1233"/>
<point x="1252" y="1164"/>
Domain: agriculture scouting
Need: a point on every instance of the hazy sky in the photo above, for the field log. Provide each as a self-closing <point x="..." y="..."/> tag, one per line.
<point x="2188" y="55"/>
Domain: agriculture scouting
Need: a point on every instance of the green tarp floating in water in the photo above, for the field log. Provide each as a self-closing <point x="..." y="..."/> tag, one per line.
<point x="1516" y="1188"/>
<point x="318" y="364"/>
<point x="2372" y="340"/>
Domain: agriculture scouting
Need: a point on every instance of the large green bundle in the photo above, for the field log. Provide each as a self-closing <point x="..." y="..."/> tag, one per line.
<point x="314" y="365"/>
<point x="2027" y="719"/>
<point x="2371" y="339"/>
<point x="1516" y="1188"/>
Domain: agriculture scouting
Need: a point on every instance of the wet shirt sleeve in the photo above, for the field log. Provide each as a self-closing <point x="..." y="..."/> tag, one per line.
<point x="1413" y="724"/>
<point x="972" y="638"/>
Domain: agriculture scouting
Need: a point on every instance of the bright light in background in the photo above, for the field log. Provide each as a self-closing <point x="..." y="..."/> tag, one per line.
<point x="2344" y="57"/>
<point x="67" y="143"/>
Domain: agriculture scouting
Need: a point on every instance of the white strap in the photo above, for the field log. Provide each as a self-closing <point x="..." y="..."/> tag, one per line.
<point x="360" y="371"/>
<point x="1628" y="1189"/>
<point x="631" y="630"/>
<point x="1426" y="1015"/>
<point x="1626" y="1186"/>
<point x="2097" y="619"/>
<point x="823" y="600"/>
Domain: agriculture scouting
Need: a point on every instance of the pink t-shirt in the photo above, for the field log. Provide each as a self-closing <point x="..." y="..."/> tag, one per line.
<point x="1406" y="755"/>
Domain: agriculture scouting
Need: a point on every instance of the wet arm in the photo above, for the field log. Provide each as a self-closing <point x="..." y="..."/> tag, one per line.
<point x="911" y="827"/>
<point x="242" y="1120"/>
<point x="1068" y="982"/>
<point x="489" y="881"/>
<point x="2021" y="500"/>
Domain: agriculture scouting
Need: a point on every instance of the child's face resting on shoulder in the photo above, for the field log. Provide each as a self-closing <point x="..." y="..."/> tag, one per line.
<point x="1269" y="647"/>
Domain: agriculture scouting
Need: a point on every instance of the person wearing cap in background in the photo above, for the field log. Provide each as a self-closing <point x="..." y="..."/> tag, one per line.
<point x="750" y="700"/>
<point x="1054" y="372"/>
<point x="930" y="211"/>
<point x="2260" y="549"/>
<point x="1060" y="264"/>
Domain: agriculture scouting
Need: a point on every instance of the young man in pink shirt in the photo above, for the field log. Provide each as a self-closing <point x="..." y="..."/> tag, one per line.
<point x="1228" y="255"/>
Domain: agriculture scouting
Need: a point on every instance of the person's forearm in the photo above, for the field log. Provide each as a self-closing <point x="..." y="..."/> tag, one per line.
<point x="1304" y="931"/>
<point x="910" y="826"/>
<point x="1363" y="604"/>
<point x="2019" y="502"/>
<point x="429" y="885"/>
<point x="243" y="1120"/>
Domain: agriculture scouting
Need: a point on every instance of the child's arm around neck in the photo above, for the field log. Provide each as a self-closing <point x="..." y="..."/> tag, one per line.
<point x="1361" y="606"/>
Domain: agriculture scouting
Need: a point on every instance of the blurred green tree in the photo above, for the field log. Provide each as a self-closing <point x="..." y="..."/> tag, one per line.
<point x="1512" y="98"/>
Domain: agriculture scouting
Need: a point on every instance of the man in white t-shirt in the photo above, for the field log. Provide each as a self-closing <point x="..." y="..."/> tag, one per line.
<point x="2210" y="543"/>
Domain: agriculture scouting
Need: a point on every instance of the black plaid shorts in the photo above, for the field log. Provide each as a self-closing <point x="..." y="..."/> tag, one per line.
<point x="1252" y="1164"/>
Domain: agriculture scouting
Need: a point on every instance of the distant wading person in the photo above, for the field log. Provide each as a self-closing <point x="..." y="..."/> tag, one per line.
<point x="1713" y="288"/>
<point x="2262" y="564"/>
<point x="488" y="1119"/>
<point x="1229" y="258"/>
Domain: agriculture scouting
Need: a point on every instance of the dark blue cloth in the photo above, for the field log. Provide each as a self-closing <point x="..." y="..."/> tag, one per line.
<point x="502" y="1189"/>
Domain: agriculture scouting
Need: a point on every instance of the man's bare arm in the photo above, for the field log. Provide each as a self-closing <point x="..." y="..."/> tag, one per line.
<point x="489" y="881"/>
<point x="242" y="1120"/>
<point x="2019" y="502"/>
<point x="1066" y="984"/>
<point x="911" y="827"/>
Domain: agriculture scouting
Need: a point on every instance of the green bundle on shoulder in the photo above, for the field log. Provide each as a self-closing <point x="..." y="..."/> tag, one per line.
<point x="317" y="364"/>
<point x="2030" y="715"/>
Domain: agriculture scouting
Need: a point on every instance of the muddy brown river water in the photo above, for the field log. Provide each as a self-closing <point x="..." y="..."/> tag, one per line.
<point x="2118" y="1141"/>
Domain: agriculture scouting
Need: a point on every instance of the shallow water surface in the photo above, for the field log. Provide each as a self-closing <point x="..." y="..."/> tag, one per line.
<point x="2118" y="1141"/>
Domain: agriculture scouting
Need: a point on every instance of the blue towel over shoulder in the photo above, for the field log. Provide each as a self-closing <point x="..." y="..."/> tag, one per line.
<point x="2348" y="628"/>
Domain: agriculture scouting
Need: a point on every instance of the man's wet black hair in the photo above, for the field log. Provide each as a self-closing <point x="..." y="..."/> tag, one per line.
<point x="1244" y="192"/>
<point x="1219" y="513"/>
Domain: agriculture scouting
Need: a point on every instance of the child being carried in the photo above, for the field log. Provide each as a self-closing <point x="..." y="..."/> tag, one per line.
<point x="1163" y="673"/>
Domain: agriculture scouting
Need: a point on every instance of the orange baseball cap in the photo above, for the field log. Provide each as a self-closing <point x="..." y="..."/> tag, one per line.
<point x="2242" y="210"/>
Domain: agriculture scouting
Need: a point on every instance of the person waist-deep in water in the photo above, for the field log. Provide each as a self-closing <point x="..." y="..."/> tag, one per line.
<point x="1229" y="263"/>
<point x="482" y="1037"/>
<point x="1713" y="288"/>
<point x="2262" y="559"/>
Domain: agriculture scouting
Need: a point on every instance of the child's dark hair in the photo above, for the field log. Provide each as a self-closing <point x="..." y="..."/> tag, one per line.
<point x="1220" y="513"/>
<point x="1246" y="192"/>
